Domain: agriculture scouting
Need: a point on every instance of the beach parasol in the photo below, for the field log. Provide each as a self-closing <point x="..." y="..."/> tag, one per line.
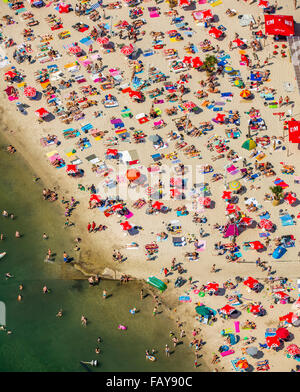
<point x="187" y="59"/>
<point x="103" y="40"/>
<point x="238" y="42"/>
<point x="197" y="62"/>
<point x="249" y="144"/>
<point x="95" y="197"/>
<point x="282" y="333"/>
<point x="189" y="105"/>
<point x="132" y="174"/>
<point x="75" y="49"/>
<point x="245" y="94"/>
<point x="184" y="3"/>
<point x="226" y="195"/>
<point x="252" y="351"/>
<point x="234" y="185"/>
<point x="255" y="309"/>
<point x="228" y="69"/>
<point x="157" y="205"/>
<point x="239" y="83"/>
<point x="126" y="225"/>
<point x="263" y="4"/>
<point x="293" y="349"/>
<point x="212" y="286"/>
<point x="250" y="282"/>
<point x="203" y="311"/>
<point x="273" y="341"/>
<point x="227" y="309"/>
<point x="214" y="32"/>
<point x="41" y="112"/>
<point x="127" y="50"/>
<point x="281" y="295"/>
<point x="266" y="224"/>
<point x="242" y="364"/>
<point x="29" y="92"/>
<point x="71" y="169"/>
<point x="290" y="198"/>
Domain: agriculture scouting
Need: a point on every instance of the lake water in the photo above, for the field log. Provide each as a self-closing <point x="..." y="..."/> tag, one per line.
<point x="42" y="342"/>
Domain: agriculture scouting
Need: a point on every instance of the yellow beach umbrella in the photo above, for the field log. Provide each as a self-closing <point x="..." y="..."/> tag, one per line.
<point x="234" y="185"/>
<point x="245" y="93"/>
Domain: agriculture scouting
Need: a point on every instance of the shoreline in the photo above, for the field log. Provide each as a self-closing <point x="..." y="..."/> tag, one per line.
<point x="171" y="310"/>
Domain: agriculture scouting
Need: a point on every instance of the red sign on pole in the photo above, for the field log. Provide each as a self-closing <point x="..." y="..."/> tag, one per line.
<point x="294" y="131"/>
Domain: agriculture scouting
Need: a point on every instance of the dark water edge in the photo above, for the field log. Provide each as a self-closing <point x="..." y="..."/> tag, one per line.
<point x="42" y="342"/>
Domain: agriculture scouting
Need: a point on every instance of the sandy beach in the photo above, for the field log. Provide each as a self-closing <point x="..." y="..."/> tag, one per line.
<point x="26" y="131"/>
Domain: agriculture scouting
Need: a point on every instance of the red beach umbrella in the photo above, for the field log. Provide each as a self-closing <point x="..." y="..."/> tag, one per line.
<point x="41" y="112"/>
<point x="227" y="309"/>
<point x="290" y="198"/>
<point x="126" y="225"/>
<point x="289" y="318"/>
<point x="212" y="286"/>
<point x="282" y="333"/>
<point x="197" y="62"/>
<point x="251" y="282"/>
<point x="29" y="92"/>
<point x="95" y="197"/>
<point x="273" y="341"/>
<point x="157" y="205"/>
<point x="214" y="32"/>
<point x="127" y="50"/>
<point x="239" y="42"/>
<point x="226" y="195"/>
<point x="132" y="174"/>
<point x="75" y="49"/>
<point x="293" y="349"/>
<point x="266" y="224"/>
<point x="103" y="40"/>
<point x="263" y="4"/>
<point x="187" y="59"/>
<point x="254" y="309"/>
<point x="71" y="169"/>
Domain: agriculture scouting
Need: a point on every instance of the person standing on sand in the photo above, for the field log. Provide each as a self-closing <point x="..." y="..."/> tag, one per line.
<point x="142" y="294"/>
<point x="66" y="257"/>
<point x="104" y="294"/>
<point x="167" y="350"/>
<point x="154" y="313"/>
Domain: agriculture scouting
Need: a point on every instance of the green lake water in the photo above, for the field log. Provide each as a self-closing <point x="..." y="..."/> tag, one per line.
<point x="42" y="342"/>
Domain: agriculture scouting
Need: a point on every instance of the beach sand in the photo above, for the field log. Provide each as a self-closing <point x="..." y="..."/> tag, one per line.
<point x="25" y="133"/>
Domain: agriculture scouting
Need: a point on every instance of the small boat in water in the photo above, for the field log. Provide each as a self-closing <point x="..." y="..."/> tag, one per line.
<point x="92" y="363"/>
<point x="2" y="254"/>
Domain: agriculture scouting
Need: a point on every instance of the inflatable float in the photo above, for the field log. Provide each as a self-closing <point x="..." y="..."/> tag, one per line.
<point x="157" y="283"/>
<point x="122" y="327"/>
<point x="151" y="358"/>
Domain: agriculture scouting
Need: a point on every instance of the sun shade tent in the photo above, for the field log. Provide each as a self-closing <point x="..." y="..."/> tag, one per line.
<point x="279" y="25"/>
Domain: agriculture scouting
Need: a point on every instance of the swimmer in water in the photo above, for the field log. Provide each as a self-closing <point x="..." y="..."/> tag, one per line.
<point x="8" y="275"/>
<point x="45" y="237"/>
<point x="45" y="289"/>
<point x="17" y="234"/>
<point x="21" y="287"/>
<point x="59" y="313"/>
<point x="83" y="320"/>
<point x="97" y="350"/>
<point x="19" y="297"/>
<point x="5" y="213"/>
<point x="2" y="236"/>
<point x="99" y="340"/>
